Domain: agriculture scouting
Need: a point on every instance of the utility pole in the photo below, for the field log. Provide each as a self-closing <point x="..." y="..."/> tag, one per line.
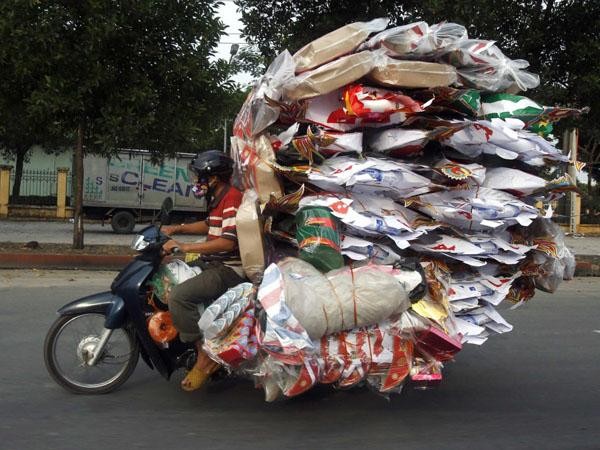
<point x="224" y="135"/>
<point x="572" y="143"/>
<point x="232" y="52"/>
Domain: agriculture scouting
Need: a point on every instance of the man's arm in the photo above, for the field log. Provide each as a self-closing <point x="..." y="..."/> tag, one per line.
<point x="209" y="247"/>
<point x="206" y="248"/>
<point x="200" y="227"/>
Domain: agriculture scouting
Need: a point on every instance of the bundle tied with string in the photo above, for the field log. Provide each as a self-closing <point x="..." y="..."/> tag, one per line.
<point x="341" y="299"/>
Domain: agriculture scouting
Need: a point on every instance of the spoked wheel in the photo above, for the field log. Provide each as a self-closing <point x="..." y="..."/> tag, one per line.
<point x="69" y="349"/>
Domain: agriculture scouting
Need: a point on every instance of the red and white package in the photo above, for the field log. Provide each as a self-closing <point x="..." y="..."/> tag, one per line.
<point x="361" y="106"/>
<point x="239" y="345"/>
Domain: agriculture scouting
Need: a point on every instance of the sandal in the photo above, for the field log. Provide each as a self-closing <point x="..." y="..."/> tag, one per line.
<point x="194" y="379"/>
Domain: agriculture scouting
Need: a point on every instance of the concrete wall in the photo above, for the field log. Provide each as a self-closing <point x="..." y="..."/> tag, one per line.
<point x="39" y="159"/>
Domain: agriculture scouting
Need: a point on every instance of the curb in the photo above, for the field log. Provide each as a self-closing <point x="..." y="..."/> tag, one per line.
<point x="72" y="262"/>
<point x="587" y="265"/>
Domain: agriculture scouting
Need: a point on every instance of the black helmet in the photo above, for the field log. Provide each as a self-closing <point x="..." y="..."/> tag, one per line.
<point x="211" y="162"/>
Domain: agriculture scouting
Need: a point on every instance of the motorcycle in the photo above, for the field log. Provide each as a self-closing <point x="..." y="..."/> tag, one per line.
<point x="94" y="345"/>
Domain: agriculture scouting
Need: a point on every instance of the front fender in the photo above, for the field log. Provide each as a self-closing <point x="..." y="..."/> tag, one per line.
<point x="107" y="303"/>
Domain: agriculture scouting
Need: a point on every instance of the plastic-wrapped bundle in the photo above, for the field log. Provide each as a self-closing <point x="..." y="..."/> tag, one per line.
<point x="552" y="261"/>
<point x="250" y="236"/>
<point x="382" y="108"/>
<point x="260" y="108"/>
<point x="170" y="275"/>
<point x="418" y="40"/>
<point x="473" y="250"/>
<point x="291" y="145"/>
<point x="522" y="184"/>
<point x="254" y="159"/>
<point x="398" y="142"/>
<point x="332" y="75"/>
<point x="371" y="175"/>
<point x="383" y="355"/>
<point x="337" y="43"/>
<point x="503" y="138"/>
<point x="238" y="345"/>
<point x="341" y="299"/>
<point x="375" y="216"/>
<point x="376" y="104"/>
<point x="476" y="209"/>
<point x="464" y="102"/>
<point x="214" y="321"/>
<point x="468" y="290"/>
<point x="536" y="117"/>
<point x="482" y="65"/>
<point x="412" y="74"/>
<point x="359" y="249"/>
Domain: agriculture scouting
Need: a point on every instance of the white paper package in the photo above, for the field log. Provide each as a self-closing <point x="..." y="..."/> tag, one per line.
<point x="369" y="176"/>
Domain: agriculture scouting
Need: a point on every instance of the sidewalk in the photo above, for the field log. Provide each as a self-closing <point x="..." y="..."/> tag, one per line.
<point x="585" y="248"/>
<point x="587" y="254"/>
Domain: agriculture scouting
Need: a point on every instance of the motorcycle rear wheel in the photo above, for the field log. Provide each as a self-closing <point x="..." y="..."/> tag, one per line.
<point x="67" y="351"/>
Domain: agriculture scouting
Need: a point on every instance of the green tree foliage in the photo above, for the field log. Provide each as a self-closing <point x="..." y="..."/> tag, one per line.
<point x="108" y="74"/>
<point x="135" y="74"/>
<point x="560" y="39"/>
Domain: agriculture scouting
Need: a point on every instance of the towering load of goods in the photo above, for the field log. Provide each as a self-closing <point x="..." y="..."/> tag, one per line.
<point x="396" y="194"/>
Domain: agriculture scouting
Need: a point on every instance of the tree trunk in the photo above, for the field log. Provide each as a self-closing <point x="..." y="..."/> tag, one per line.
<point x="78" y="208"/>
<point x="590" y="154"/>
<point x="16" y="190"/>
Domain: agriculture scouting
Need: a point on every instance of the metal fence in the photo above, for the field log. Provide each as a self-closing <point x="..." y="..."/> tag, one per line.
<point x="38" y="187"/>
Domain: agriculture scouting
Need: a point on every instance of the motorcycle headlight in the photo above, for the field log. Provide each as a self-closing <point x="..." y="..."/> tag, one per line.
<point x="139" y="243"/>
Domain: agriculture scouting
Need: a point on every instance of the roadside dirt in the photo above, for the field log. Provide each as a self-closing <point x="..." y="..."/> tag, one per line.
<point x="64" y="249"/>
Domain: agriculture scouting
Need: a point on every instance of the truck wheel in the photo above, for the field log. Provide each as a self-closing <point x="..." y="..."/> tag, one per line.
<point x="123" y="222"/>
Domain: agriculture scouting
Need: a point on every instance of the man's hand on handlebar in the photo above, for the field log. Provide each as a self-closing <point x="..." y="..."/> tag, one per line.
<point x="172" y="246"/>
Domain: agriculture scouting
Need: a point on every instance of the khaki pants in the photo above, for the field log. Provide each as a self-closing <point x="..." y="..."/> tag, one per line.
<point x="204" y="289"/>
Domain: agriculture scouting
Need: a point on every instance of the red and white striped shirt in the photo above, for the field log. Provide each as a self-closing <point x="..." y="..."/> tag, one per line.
<point x="221" y="223"/>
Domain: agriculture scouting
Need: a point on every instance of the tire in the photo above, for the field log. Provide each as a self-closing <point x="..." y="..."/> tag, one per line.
<point x="75" y="349"/>
<point x="123" y="222"/>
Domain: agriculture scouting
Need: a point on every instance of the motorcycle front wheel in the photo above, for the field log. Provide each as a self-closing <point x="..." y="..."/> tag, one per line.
<point x="69" y="347"/>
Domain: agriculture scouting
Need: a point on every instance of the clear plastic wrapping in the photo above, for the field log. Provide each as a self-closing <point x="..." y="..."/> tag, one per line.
<point x="337" y="43"/>
<point x="239" y="344"/>
<point x="214" y="320"/>
<point x="341" y="299"/>
<point x="332" y="76"/>
<point x="398" y="142"/>
<point x="254" y="159"/>
<point x="316" y="143"/>
<point x="170" y="275"/>
<point x="261" y="107"/>
<point x="382" y="356"/>
<point x="418" y="40"/>
<point x="412" y="74"/>
<point x="482" y="65"/>
<point x="552" y="261"/>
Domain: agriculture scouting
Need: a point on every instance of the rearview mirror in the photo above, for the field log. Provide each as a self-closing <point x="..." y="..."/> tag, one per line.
<point x="165" y="210"/>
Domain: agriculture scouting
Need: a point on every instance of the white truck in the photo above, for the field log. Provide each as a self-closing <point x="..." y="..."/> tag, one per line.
<point x="128" y="188"/>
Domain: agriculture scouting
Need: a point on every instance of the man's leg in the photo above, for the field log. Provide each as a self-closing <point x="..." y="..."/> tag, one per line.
<point x="204" y="289"/>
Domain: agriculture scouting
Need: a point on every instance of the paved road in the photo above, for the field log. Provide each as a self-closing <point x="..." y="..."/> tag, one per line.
<point x="536" y="387"/>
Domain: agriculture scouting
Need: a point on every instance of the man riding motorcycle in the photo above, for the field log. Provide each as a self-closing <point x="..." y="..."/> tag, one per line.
<point x="219" y="255"/>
